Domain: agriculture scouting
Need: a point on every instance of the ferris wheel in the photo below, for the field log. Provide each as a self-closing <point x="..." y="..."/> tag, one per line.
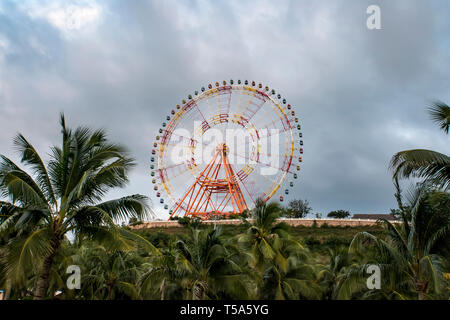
<point x="223" y="148"/>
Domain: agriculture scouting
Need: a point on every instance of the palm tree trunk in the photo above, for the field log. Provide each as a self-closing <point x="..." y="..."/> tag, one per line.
<point x="421" y="295"/>
<point x="44" y="278"/>
<point x="108" y="297"/>
<point x="200" y="289"/>
<point x="163" y="288"/>
<point x="7" y="292"/>
<point x="421" y="288"/>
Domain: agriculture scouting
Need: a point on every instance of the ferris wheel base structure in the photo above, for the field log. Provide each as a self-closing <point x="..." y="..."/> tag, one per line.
<point x="200" y="196"/>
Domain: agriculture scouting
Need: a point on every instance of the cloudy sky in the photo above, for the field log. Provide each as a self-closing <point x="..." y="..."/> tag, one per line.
<point x="123" y="65"/>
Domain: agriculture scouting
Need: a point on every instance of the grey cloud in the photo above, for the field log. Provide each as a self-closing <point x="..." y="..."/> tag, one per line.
<point x="352" y="87"/>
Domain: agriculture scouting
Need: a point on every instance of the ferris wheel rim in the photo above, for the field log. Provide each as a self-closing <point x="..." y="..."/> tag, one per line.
<point x="192" y="101"/>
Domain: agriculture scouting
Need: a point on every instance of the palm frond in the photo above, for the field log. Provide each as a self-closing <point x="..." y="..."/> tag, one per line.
<point x="440" y="114"/>
<point x="126" y="207"/>
<point x="18" y="185"/>
<point x="144" y="243"/>
<point x="396" y="237"/>
<point x="9" y="221"/>
<point x="31" y="157"/>
<point x="25" y="252"/>
<point x="431" y="165"/>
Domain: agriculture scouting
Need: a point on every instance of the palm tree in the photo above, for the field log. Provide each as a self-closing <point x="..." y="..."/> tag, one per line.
<point x="295" y="281"/>
<point x="279" y="260"/>
<point x="199" y="267"/>
<point x="109" y="274"/>
<point x="210" y="268"/>
<point x="162" y="278"/>
<point x="332" y="274"/>
<point x="265" y="238"/>
<point x="64" y="195"/>
<point x="430" y="165"/>
<point x="411" y="256"/>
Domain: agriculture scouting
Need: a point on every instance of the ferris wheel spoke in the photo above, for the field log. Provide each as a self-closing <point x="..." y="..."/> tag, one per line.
<point x="285" y="158"/>
<point x="228" y="108"/>
<point x="239" y="102"/>
<point x="272" y="182"/>
<point x="193" y="140"/>
<point x="257" y="109"/>
<point x="220" y="113"/>
<point x="173" y="144"/>
<point x="172" y="173"/>
<point x="172" y="166"/>
<point x="167" y="178"/>
<point x="279" y="130"/>
<point x="181" y="136"/>
<point x="246" y="107"/>
<point x="257" y="161"/>
<point x="252" y="196"/>
<point x="274" y="155"/>
<point x="203" y="117"/>
<point x="275" y="133"/>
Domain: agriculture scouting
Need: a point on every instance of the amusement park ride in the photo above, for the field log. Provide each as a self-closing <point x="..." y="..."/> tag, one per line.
<point x="232" y="176"/>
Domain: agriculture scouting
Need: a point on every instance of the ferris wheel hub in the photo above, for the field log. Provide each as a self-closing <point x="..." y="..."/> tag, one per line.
<point x="223" y="148"/>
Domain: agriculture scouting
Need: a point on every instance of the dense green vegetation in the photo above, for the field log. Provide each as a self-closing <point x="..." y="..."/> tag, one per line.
<point x="55" y="217"/>
<point x="264" y="260"/>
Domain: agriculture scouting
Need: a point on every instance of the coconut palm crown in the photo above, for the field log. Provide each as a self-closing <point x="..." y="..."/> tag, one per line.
<point x="430" y="165"/>
<point x="62" y="195"/>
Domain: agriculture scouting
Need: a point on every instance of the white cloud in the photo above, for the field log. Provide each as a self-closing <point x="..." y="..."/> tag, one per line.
<point x="4" y="46"/>
<point x="68" y="18"/>
<point x="408" y="136"/>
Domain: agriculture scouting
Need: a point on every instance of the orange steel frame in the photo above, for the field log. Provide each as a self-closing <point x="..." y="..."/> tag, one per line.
<point x="199" y="196"/>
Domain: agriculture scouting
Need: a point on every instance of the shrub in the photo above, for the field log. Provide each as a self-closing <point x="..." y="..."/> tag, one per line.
<point x="184" y="221"/>
<point x="134" y="221"/>
<point x="297" y="209"/>
<point x="311" y="241"/>
<point x="339" y="214"/>
<point x="335" y="241"/>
